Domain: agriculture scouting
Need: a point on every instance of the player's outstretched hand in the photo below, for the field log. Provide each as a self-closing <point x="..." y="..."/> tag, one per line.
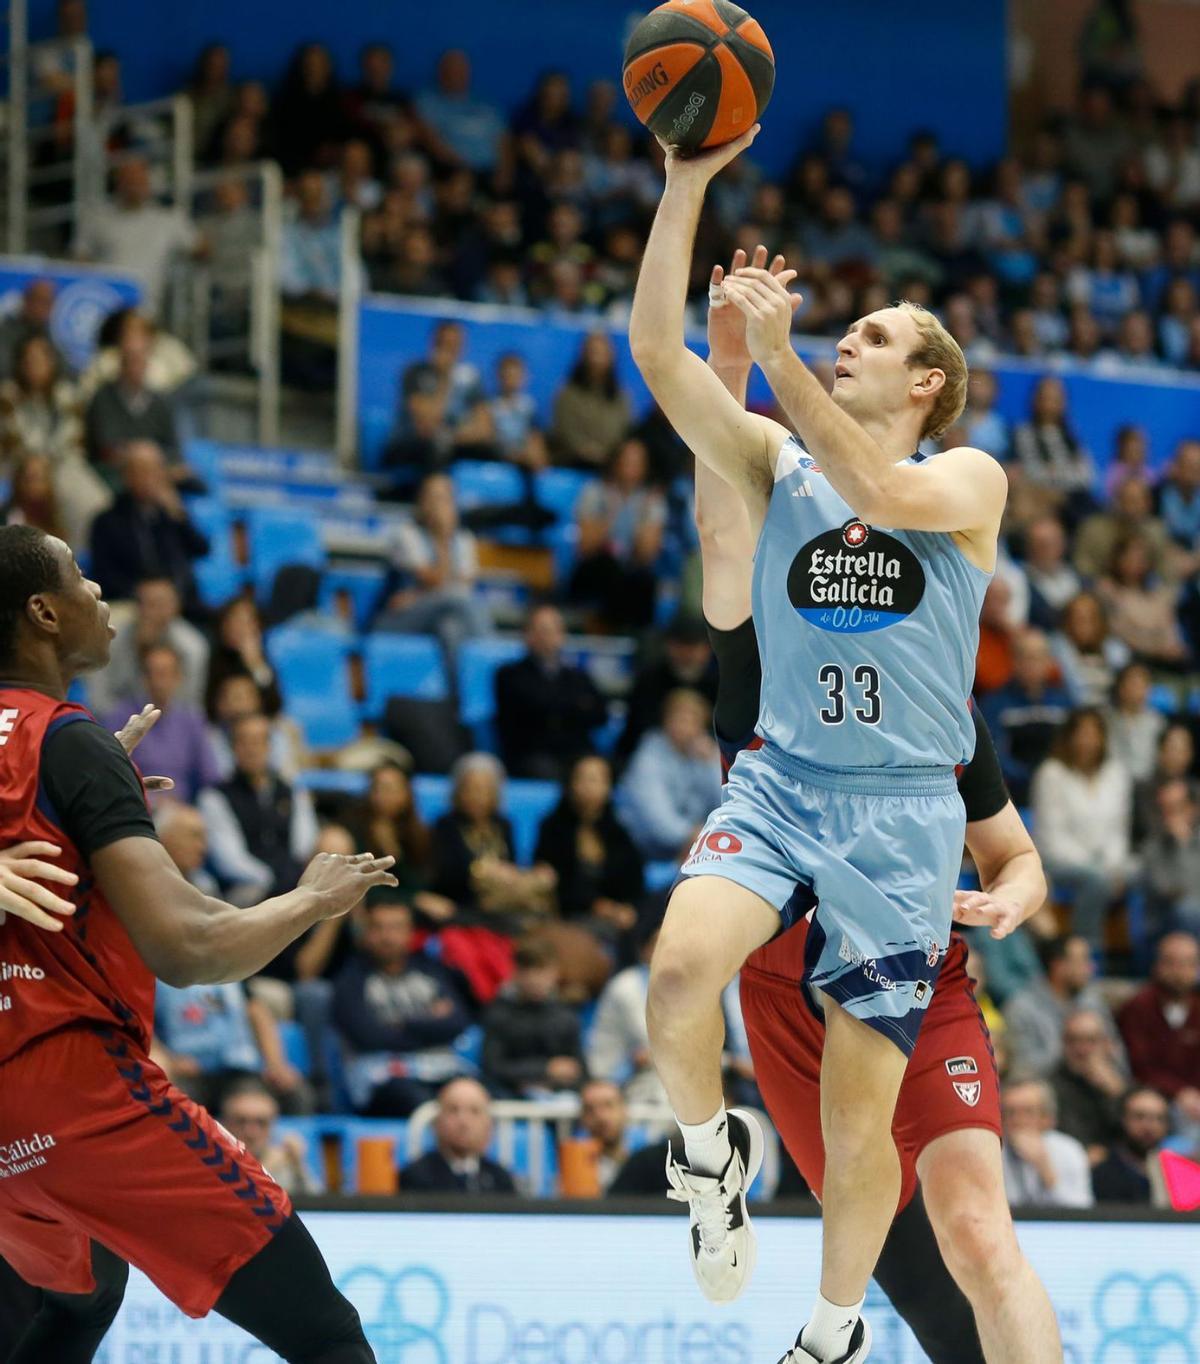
<point x="978" y="909"/>
<point x="133" y="731"/>
<point x="762" y="297"/>
<point x="22" y="895"/>
<point x="699" y="168"/>
<point x="342" y="879"/>
<point x="727" y="326"/>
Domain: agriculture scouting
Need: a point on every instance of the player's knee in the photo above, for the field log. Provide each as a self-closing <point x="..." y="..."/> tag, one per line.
<point x="980" y="1248"/>
<point x="679" y="977"/>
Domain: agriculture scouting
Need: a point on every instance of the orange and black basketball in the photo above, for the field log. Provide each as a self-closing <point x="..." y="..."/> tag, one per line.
<point x="698" y="73"/>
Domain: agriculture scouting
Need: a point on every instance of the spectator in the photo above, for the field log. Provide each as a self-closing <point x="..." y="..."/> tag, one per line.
<point x="1134" y="726"/>
<point x="1043" y="1168"/>
<point x="1095" y="143"/>
<point x="598" y="870"/>
<point x="673" y="780"/>
<point x="1048" y="455"/>
<point x="835" y="239"/>
<point x="618" y="1047"/>
<point x="686" y="661"/>
<point x="146" y="533"/>
<point x="237" y="698"/>
<point x="459" y="1164"/>
<point x="1089" y="655"/>
<point x="32" y="319"/>
<point x="169" y="365"/>
<point x="621" y="520"/>
<point x="387" y="822"/>
<point x="1025" y="714"/>
<point x="603" y="1116"/>
<point x="1088" y="1083"/>
<point x="1037" y="1014"/>
<point x="375" y="107"/>
<point x="1108" y="291"/>
<point x="514" y="409"/>
<point x="531" y="1041"/>
<point x="1161" y="1027"/>
<point x="1082" y="815"/>
<point x="1174" y="760"/>
<point x="1142" y="608"/>
<point x="32" y="499"/>
<point x="1171" y="861"/>
<point x="986" y="429"/>
<point x="177" y="746"/>
<point x="261" y="831"/>
<point x="434" y="567"/>
<point x="40" y="415"/>
<point x="125" y="411"/>
<point x="1180" y="310"/>
<point x="1173" y="164"/>
<point x="157" y="621"/>
<point x="1052" y="581"/>
<point x="238" y="649"/>
<point x="999" y="620"/>
<point x="308" y="111"/>
<point x="545" y="708"/>
<point x="248" y="1113"/>
<point x="211" y="93"/>
<point x="182" y="832"/>
<point x="354" y="185"/>
<point x="459" y="129"/>
<point x="399" y="1014"/>
<point x="1130" y="459"/>
<point x="310" y="264"/>
<point x="1179" y="496"/>
<point x="136" y="235"/>
<point x="591" y="412"/>
<point x="1126" y="1174"/>
<point x="1130" y="515"/>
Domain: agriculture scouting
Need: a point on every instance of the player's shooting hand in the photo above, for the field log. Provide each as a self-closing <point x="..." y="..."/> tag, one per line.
<point x="342" y="880"/>
<point x="978" y="909"/>
<point x="764" y="301"/>
<point x="23" y="896"/>
<point x="695" y="171"/>
<point x="726" y="325"/>
<point x="133" y="731"/>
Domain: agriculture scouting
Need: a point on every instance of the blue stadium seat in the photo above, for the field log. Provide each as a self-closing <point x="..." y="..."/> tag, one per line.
<point x="279" y="538"/>
<point x="214" y="519"/>
<point x="558" y="490"/>
<point x="527" y="803"/>
<point x="217" y="580"/>
<point x="1165" y="698"/>
<point x="333" y="782"/>
<point x="480" y="484"/>
<point x="563" y="541"/>
<point x="659" y="875"/>
<point x="402" y="665"/>
<point x="363" y="585"/>
<point x="295" y="1045"/>
<point x="478" y="662"/>
<point x="311" y="665"/>
<point x="431" y="795"/>
<point x="325" y="726"/>
<point x="204" y="456"/>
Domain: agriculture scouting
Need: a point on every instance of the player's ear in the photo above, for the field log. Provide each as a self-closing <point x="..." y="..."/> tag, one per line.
<point x="39" y="609"/>
<point x="933" y="382"/>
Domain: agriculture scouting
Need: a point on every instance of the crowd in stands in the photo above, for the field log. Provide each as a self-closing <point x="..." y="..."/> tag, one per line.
<point x="492" y="974"/>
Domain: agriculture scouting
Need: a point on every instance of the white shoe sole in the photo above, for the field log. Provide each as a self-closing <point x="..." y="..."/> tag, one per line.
<point x="753" y="1166"/>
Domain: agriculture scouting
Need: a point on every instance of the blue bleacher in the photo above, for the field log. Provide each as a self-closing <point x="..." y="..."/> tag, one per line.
<point x="431" y="796"/>
<point x="558" y="490"/>
<point x="363" y="584"/>
<point x="279" y="537"/>
<point x="314" y="677"/>
<point x="330" y="781"/>
<point x="402" y="665"/>
<point x="526" y="803"/>
<point x="478" y="662"/>
<point x="486" y="484"/>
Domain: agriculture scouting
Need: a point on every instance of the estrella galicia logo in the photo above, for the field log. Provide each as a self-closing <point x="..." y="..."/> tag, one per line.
<point x="79" y="309"/>
<point x="1145" y="1321"/>
<point x="855" y="579"/>
<point x="403" y="1313"/>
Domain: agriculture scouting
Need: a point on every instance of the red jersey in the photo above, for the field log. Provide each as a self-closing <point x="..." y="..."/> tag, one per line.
<point x="90" y="971"/>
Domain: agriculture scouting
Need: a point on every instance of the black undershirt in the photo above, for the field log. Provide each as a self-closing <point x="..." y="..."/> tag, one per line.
<point x="93" y="788"/>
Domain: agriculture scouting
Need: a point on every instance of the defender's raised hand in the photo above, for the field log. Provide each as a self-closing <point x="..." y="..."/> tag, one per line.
<point x="22" y="895"/>
<point x="726" y="325"/>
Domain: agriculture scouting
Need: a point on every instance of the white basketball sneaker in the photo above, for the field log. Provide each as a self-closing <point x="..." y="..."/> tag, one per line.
<point x="860" y="1348"/>
<point x="723" y="1245"/>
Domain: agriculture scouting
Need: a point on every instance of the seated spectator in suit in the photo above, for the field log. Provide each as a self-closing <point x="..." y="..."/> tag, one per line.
<point x="1043" y="1168"/>
<point x="177" y="746"/>
<point x="158" y="620"/>
<point x="237" y="697"/>
<point x="1035" y="1015"/>
<point x="545" y="708"/>
<point x="1089" y="1082"/>
<point x="238" y="648"/>
<point x="1027" y="712"/>
<point x="603" y="1116"/>
<point x="146" y="533"/>
<point x="1125" y="1173"/>
<point x="398" y="1013"/>
<point x="673" y="780"/>
<point x="686" y="661"/>
<point x="126" y="410"/>
<point x="460" y="1163"/>
<point x="531" y="1040"/>
<point x="598" y="868"/>
<point x="261" y="831"/>
<point x="249" y="1111"/>
<point x="1161" y="1027"/>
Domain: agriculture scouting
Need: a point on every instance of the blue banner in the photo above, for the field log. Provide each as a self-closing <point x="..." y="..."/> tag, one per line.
<point x="84" y="298"/>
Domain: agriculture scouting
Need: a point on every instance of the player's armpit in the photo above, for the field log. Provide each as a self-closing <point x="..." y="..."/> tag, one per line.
<point x="741" y="446"/>
<point x="961" y="490"/>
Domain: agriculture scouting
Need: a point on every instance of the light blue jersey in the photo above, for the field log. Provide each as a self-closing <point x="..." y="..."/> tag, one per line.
<point x="867" y="636"/>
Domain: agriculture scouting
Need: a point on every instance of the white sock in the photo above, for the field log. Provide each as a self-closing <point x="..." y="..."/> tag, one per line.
<point x="829" y="1329"/>
<point x="707" y="1144"/>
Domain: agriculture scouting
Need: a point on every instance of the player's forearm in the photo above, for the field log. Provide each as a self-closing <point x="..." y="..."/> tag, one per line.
<point x="851" y="459"/>
<point x="231" y="943"/>
<point x="721" y="519"/>
<point x="1021" y="881"/>
<point x="656" y="322"/>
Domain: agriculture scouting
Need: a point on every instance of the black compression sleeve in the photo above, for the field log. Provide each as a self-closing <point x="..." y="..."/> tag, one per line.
<point x="739" y="681"/>
<point x="981" y="784"/>
<point x="93" y="788"/>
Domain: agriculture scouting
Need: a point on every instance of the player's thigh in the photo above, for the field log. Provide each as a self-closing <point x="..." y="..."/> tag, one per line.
<point x="711" y="926"/>
<point x="962" y="1179"/>
<point x="861" y="1073"/>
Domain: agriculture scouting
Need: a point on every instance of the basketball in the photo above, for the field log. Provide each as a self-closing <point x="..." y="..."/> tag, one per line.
<point x="698" y="73"/>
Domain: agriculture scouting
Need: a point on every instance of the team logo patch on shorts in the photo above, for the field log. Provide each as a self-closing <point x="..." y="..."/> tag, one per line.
<point x="714" y="847"/>
<point x="968" y="1091"/>
<point x="961" y="1065"/>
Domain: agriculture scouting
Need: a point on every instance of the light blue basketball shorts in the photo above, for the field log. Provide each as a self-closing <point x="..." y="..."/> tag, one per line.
<point x="878" y="851"/>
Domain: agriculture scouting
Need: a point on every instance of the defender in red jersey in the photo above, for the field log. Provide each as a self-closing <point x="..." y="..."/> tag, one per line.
<point x="947" y="1122"/>
<point x="102" y="1161"/>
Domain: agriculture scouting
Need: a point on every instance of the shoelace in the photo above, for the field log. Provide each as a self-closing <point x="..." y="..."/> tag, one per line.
<point x="709" y="1209"/>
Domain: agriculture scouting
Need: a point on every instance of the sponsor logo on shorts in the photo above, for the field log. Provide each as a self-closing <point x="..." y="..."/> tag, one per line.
<point x="25" y="1153"/>
<point x="968" y="1091"/>
<point x="933" y="952"/>
<point x="961" y="1065"/>
<point x="714" y="847"/>
<point x="920" y="990"/>
<point x="15" y="970"/>
<point x="867" y="965"/>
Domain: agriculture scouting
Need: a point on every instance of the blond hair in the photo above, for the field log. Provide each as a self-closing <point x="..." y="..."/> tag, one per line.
<point x="937" y="349"/>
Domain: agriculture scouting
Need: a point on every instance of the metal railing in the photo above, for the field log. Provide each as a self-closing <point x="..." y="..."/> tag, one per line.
<point x="349" y="298"/>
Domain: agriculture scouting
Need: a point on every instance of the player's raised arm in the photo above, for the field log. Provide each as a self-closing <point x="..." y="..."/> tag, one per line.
<point x="889" y="373"/>
<point x="739" y="445"/>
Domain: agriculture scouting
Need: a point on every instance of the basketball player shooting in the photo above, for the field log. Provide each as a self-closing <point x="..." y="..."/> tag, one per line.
<point x="868" y="639"/>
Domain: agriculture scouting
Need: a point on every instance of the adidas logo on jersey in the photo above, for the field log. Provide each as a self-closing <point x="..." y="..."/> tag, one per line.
<point x="804" y="490"/>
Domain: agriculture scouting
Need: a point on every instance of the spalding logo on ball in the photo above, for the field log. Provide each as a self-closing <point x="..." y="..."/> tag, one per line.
<point x="698" y="73"/>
